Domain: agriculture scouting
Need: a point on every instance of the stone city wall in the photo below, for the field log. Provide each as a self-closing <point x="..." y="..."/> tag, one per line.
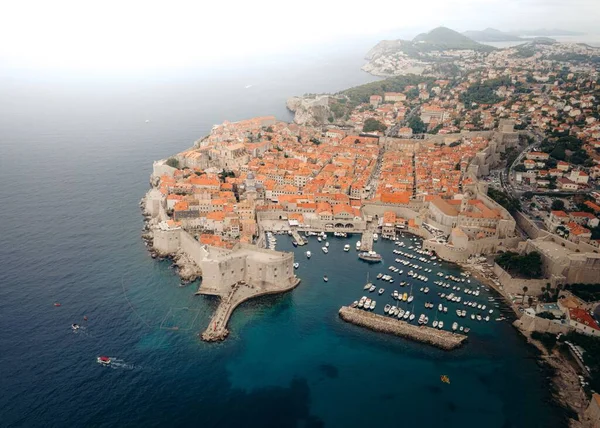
<point x="515" y="285"/>
<point x="542" y="325"/>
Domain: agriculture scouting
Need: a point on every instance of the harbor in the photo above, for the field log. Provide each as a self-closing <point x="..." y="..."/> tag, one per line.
<point x="423" y="334"/>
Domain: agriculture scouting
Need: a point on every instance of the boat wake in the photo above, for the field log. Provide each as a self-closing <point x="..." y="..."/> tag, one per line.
<point x="117" y="363"/>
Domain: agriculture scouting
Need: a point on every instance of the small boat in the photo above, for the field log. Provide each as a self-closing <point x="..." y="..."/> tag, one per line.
<point x="441" y="325"/>
<point x="319" y="238"/>
<point x="478" y="317"/>
<point x="381" y="290"/>
<point x="454" y="326"/>
<point x="308" y="254"/>
<point x="105" y="361"/>
<point x="325" y="278"/>
<point x="421" y="319"/>
<point x="296" y="265"/>
<point x="358" y="244"/>
<point x="440" y="307"/>
<point x="405" y="297"/>
<point x="426" y="290"/>
<point x="395" y="294"/>
<point x="445" y="379"/>
<point x="371" y="288"/>
<point x="410" y="298"/>
<point x="467" y="329"/>
<point x="406" y="315"/>
<point x="411" y="317"/>
<point x="354" y="304"/>
<point x="75" y="327"/>
<point x="325" y="250"/>
<point x="367" y="303"/>
<point x="361" y="302"/>
<point x="327" y="244"/>
<point x="347" y="247"/>
<point x="294" y="243"/>
<point x="387" y="308"/>
<point x="375" y="237"/>
<point x="373" y="303"/>
<point x="379" y="275"/>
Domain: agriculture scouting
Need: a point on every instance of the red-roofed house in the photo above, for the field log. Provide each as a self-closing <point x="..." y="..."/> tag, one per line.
<point x="583" y="322"/>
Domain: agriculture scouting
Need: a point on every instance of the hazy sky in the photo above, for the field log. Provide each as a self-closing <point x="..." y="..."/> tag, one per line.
<point x="129" y="35"/>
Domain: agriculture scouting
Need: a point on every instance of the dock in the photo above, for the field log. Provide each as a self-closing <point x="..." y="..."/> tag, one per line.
<point x="299" y="239"/>
<point x="366" y="241"/>
<point x="442" y="339"/>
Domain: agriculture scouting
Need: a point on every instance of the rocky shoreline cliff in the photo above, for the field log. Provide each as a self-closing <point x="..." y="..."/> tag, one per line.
<point x="310" y="111"/>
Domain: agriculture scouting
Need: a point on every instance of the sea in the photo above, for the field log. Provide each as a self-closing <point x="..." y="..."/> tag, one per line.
<point x="76" y="152"/>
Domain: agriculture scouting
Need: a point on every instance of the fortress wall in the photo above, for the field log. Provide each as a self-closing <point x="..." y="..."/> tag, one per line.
<point x="515" y="285"/>
<point x="166" y="241"/>
<point x="405" y="211"/>
<point x="194" y="249"/>
<point x="262" y="273"/>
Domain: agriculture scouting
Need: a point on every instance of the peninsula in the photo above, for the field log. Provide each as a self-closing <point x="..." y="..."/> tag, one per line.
<point x="490" y="156"/>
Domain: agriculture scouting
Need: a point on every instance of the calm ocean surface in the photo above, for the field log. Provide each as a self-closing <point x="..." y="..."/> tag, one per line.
<point x="76" y="154"/>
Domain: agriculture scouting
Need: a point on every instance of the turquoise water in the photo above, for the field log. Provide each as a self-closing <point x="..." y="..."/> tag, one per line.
<point x="76" y="155"/>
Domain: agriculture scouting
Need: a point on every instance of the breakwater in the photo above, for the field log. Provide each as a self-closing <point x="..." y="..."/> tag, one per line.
<point x="439" y="338"/>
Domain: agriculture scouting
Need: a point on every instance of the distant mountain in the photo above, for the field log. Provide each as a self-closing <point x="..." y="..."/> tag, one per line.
<point x="544" y="32"/>
<point x="442" y="38"/>
<point x="491" y="35"/>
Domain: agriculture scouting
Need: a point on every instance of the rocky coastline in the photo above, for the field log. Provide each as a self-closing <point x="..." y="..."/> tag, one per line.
<point x="187" y="270"/>
<point x="310" y="111"/>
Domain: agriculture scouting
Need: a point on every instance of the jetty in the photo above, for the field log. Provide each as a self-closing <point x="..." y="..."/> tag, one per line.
<point x="366" y="241"/>
<point x="299" y="239"/>
<point x="240" y="292"/>
<point x="439" y="338"/>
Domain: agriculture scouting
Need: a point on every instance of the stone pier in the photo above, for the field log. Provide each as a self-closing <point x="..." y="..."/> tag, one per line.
<point x="366" y="241"/>
<point x="240" y="292"/>
<point x="439" y="338"/>
<point x="299" y="239"/>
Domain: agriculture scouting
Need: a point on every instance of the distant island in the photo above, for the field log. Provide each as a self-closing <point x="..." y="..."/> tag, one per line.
<point x="491" y="35"/>
<point x="544" y="32"/>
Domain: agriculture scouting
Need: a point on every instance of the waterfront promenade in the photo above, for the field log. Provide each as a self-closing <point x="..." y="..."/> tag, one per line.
<point x="439" y="338"/>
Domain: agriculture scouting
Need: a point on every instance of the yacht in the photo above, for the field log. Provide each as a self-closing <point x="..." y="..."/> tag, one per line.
<point x="370" y="256"/>
<point x="308" y="254"/>
<point x="346" y="247"/>
<point x="325" y="249"/>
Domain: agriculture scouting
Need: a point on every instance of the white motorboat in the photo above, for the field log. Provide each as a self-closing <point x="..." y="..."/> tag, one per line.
<point x="381" y="291"/>
<point x="372" y="306"/>
<point x="441" y="325"/>
<point x="411" y="317"/>
<point x="371" y="288"/>
<point x="325" y="278"/>
<point x="440" y="307"/>
<point x="358" y="244"/>
<point x="406" y="315"/>
<point x="296" y="265"/>
<point x="325" y="249"/>
<point x="375" y="237"/>
<point x="308" y="254"/>
<point x="454" y="326"/>
<point x="319" y="238"/>
<point x="435" y="323"/>
<point x="75" y="327"/>
<point x="395" y="294"/>
<point x="472" y="316"/>
<point x="346" y="247"/>
<point x="387" y="308"/>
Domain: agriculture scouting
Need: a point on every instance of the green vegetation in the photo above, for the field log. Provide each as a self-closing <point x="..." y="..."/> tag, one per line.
<point x="566" y="148"/>
<point x="372" y="125"/>
<point x="172" y="162"/>
<point x="587" y="292"/>
<point x="442" y="38"/>
<point x="546" y="315"/>
<point x="547" y="339"/>
<point x="558" y="205"/>
<point x="508" y="202"/>
<point x="315" y="141"/>
<point x="484" y="92"/>
<point x="526" y="266"/>
<point x="416" y="124"/>
<point x="455" y="143"/>
<point x="361" y="94"/>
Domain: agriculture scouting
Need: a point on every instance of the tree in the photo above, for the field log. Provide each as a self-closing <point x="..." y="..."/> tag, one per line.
<point x="372" y="125"/>
<point x="417" y="125"/>
<point x="528" y="195"/>
<point x="172" y="162"/>
<point x="520" y="168"/>
<point x="558" y="205"/>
